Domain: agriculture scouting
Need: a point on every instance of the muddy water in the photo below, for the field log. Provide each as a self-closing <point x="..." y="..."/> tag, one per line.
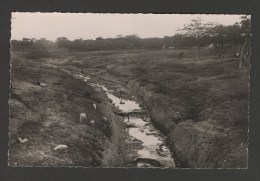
<point x="153" y="152"/>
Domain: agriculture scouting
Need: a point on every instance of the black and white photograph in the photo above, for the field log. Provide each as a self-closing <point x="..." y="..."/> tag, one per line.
<point x="111" y="90"/>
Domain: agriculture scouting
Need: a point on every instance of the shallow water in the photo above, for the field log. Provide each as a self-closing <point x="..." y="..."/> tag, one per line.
<point x="153" y="144"/>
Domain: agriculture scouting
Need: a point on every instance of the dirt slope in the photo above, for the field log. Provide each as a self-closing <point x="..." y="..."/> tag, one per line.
<point x="49" y="116"/>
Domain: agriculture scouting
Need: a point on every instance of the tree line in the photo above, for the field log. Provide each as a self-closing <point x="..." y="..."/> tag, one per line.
<point x="195" y="34"/>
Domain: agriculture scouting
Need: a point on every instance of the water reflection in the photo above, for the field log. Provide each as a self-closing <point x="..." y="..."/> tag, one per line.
<point x="153" y="146"/>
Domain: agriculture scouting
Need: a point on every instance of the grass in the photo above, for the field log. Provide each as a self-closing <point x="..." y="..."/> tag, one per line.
<point x="49" y="116"/>
<point x="212" y="92"/>
<point x="202" y="106"/>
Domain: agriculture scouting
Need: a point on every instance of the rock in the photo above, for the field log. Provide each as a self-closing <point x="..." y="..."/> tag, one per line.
<point x="130" y="125"/>
<point x="21" y="141"/>
<point x="61" y="147"/>
<point x="105" y="119"/>
<point x="151" y="133"/>
<point x="92" y="122"/>
<point x="149" y="161"/>
<point x="43" y="84"/>
<point x="82" y="117"/>
<point x="152" y="130"/>
<point x="147" y="124"/>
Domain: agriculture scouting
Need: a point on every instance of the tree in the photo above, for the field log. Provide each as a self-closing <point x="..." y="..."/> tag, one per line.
<point x="133" y="41"/>
<point x="44" y="44"/>
<point x="119" y="36"/>
<point x="218" y="34"/>
<point x="62" y="42"/>
<point x="166" y="42"/>
<point x="99" y="38"/>
<point x="196" y="29"/>
<point x="246" y="34"/>
<point x="182" y="41"/>
<point x="77" y="44"/>
<point x="152" y="43"/>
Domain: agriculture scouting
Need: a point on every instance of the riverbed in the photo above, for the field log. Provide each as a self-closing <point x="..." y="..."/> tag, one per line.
<point x="153" y="151"/>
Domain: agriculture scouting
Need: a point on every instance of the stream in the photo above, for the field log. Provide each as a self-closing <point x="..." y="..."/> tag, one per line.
<point x="153" y="152"/>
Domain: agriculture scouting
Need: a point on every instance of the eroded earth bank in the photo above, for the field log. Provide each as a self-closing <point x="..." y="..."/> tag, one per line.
<point x="195" y="112"/>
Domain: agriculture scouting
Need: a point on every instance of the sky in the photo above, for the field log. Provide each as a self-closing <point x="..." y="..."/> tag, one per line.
<point x="93" y="25"/>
